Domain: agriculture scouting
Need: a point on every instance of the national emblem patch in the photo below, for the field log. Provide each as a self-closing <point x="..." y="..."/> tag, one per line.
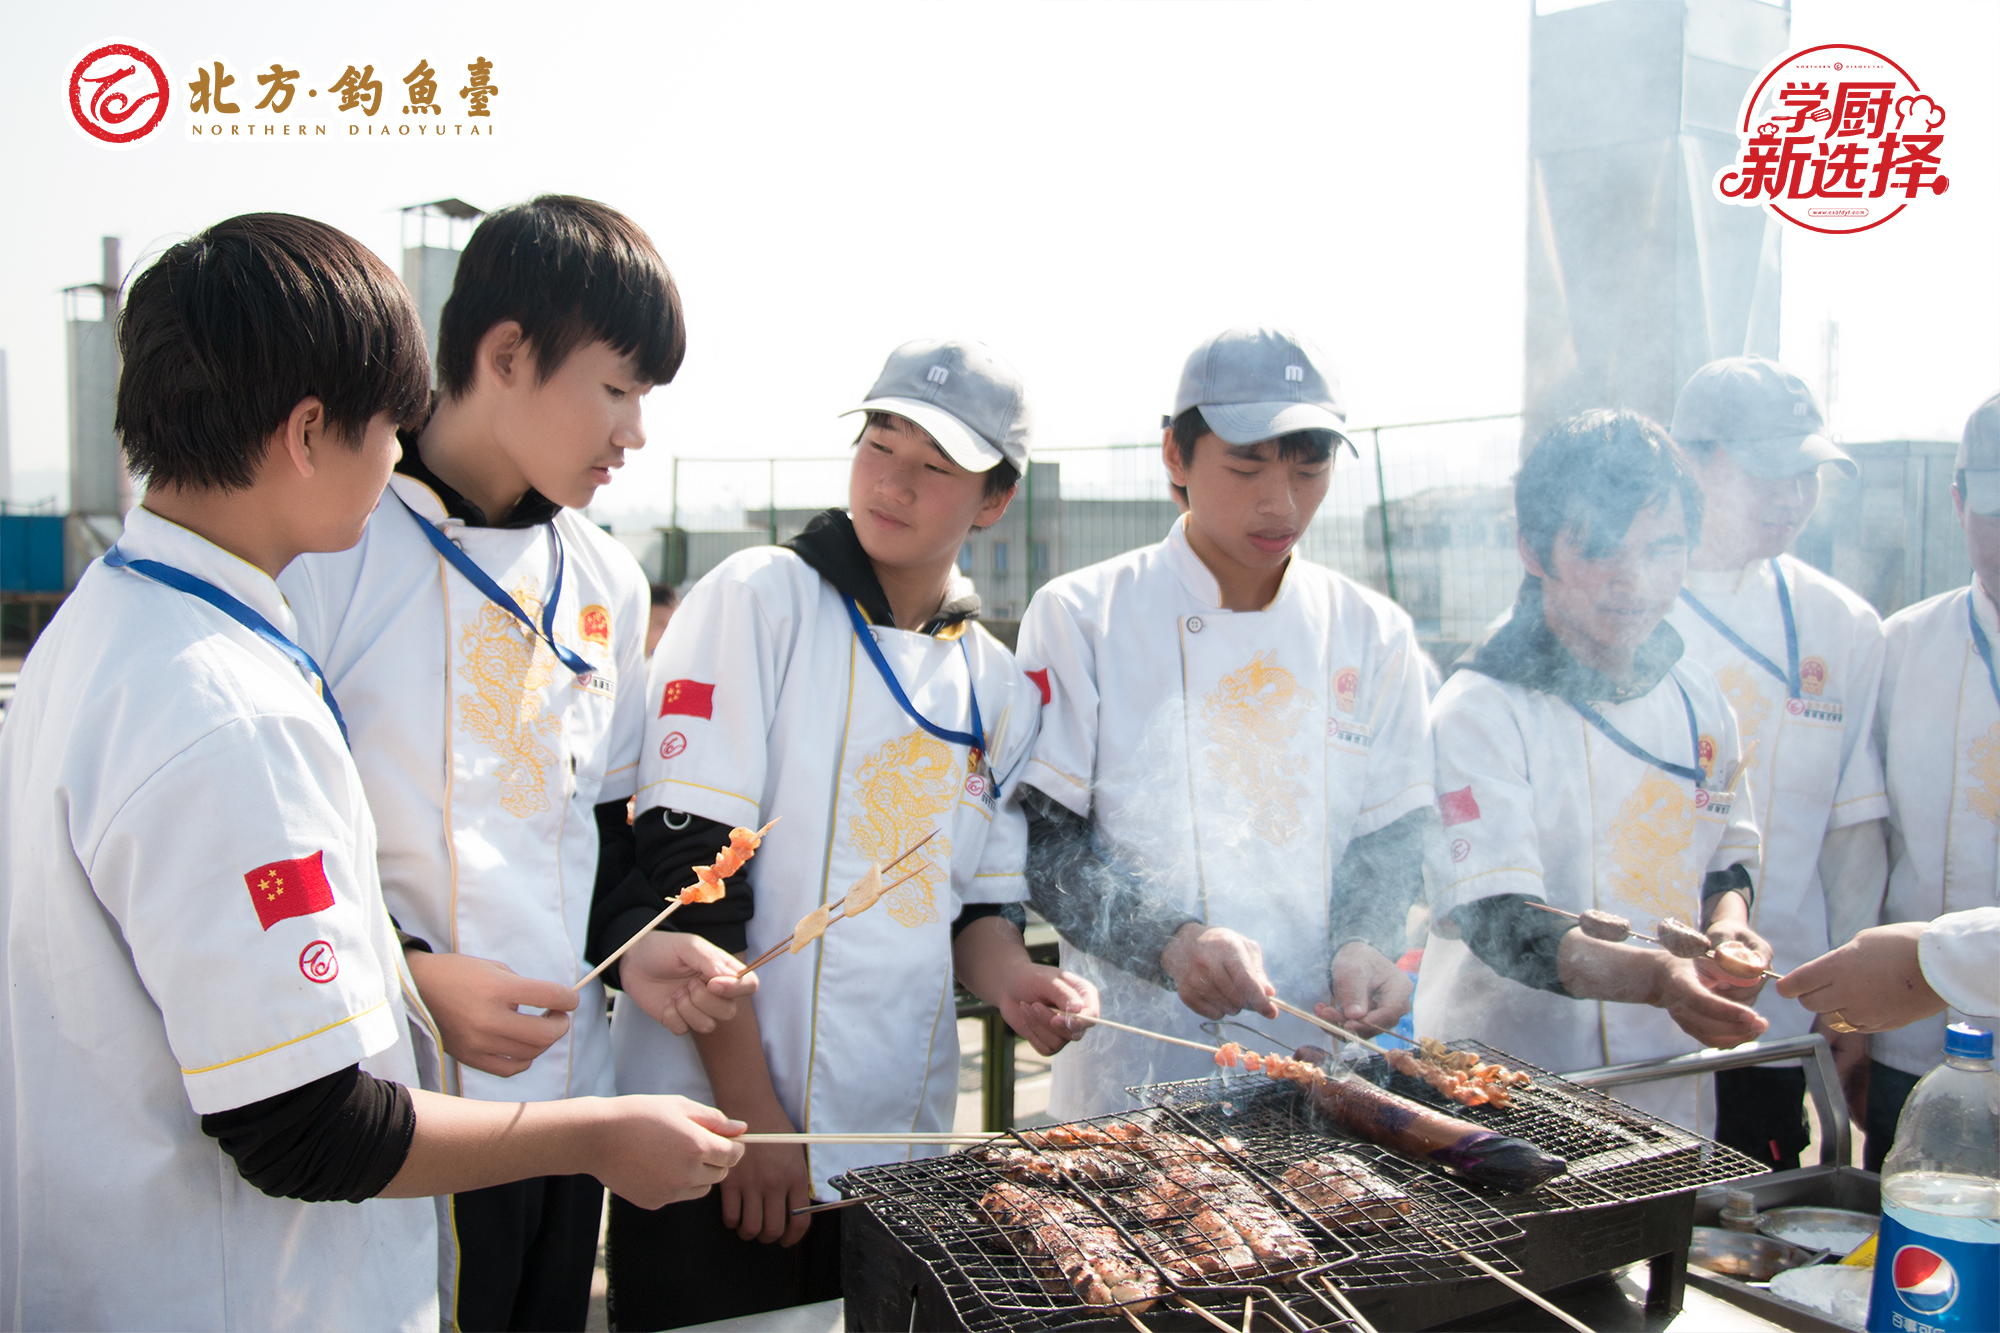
<point x="285" y="889"/>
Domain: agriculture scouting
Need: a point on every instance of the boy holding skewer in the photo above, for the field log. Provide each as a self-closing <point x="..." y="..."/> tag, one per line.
<point x="1586" y="764"/>
<point x="214" y="1119"/>
<point x="1228" y="801"/>
<point x="488" y="644"/>
<point x="1799" y="657"/>
<point x="842" y="682"/>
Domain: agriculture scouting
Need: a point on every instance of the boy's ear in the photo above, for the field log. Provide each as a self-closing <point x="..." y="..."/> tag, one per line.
<point x="1170" y="456"/>
<point x="994" y="506"/>
<point x="502" y="354"/>
<point x="1528" y="556"/>
<point x="304" y="432"/>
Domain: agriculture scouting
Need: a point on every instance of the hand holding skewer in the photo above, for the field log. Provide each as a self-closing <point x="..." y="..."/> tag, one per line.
<point x="1676" y="937"/>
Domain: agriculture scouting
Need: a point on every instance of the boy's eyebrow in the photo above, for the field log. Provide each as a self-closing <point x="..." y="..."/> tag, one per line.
<point x="1248" y="452"/>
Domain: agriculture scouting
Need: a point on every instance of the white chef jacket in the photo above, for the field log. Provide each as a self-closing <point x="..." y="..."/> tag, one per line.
<point x="1960" y="957"/>
<point x="165" y="777"/>
<point x="1944" y="803"/>
<point x="1537" y="801"/>
<point x="1231" y="756"/>
<point x="762" y="703"/>
<point x="1816" y="768"/>
<point x="483" y="755"/>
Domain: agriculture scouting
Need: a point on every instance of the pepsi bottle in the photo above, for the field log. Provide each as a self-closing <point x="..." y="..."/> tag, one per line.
<point x="1937" y="1262"/>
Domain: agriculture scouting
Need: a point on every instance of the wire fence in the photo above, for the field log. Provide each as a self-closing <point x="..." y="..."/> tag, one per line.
<point x="1424" y="514"/>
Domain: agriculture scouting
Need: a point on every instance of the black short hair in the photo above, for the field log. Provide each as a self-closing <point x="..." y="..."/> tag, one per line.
<point x="664" y="595"/>
<point x="1002" y="477"/>
<point x="570" y="272"/>
<point x="223" y="335"/>
<point x="1299" y="446"/>
<point x="1592" y="473"/>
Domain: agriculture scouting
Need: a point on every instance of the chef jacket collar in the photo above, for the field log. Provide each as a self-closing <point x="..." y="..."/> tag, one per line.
<point x="829" y="545"/>
<point x="532" y="510"/>
<point x="147" y="536"/>
<point x="1984" y="608"/>
<point x="1199" y="579"/>
<point x="1525" y="651"/>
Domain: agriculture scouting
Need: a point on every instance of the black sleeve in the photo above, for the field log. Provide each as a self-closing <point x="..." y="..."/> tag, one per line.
<point x="344" y="1136"/>
<point x="1098" y="905"/>
<point x="1378" y="880"/>
<point x="1515" y="939"/>
<point x="1733" y="880"/>
<point x="972" y="912"/>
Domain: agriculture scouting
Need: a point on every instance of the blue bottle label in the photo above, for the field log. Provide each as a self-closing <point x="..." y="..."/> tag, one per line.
<point x="1930" y="1283"/>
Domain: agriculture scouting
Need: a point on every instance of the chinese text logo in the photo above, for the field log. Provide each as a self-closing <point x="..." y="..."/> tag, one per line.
<point x="1836" y="139"/>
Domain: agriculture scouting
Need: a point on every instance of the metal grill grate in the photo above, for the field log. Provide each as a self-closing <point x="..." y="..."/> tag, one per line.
<point x="1135" y="1186"/>
<point x="1616" y="1153"/>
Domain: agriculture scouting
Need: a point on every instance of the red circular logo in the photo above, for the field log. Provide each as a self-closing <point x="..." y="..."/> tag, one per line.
<point x="318" y="963"/>
<point x="673" y="745"/>
<point x="1795" y="706"/>
<point x="1701" y="799"/>
<point x="1460" y="848"/>
<point x="118" y="93"/>
<point x="975" y="785"/>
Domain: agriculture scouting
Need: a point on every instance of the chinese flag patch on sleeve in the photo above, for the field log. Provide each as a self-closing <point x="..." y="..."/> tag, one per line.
<point x="1041" y="679"/>
<point x="289" y="888"/>
<point x="1458" y="807"/>
<point x="692" y="698"/>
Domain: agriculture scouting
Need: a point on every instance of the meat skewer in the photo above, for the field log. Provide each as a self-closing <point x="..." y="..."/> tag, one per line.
<point x="1067" y="1244"/>
<point x="862" y="895"/>
<point x="1677" y="937"/>
<point x="708" y="887"/>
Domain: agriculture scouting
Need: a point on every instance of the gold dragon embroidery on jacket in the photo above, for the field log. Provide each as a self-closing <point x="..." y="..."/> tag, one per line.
<point x="506" y="670"/>
<point x="1984" y="757"/>
<point x="1249" y="722"/>
<point x="1648" y="843"/>
<point x="1749" y="703"/>
<point x="906" y="788"/>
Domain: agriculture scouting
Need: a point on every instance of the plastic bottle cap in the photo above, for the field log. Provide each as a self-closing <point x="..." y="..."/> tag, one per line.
<point x="1968" y="1042"/>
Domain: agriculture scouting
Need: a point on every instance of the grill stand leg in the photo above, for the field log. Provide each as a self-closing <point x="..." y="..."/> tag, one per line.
<point x="997" y="1081"/>
<point x="1666" y="1285"/>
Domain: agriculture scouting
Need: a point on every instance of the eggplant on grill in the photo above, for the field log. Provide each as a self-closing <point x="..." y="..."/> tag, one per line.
<point x="1400" y="1125"/>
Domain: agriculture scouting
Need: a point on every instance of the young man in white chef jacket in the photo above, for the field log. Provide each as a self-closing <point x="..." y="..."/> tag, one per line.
<point x="1233" y="779"/>
<point x="1799" y="657"/>
<point x="841" y="683"/>
<point x="1939" y="728"/>
<point x="488" y="643"/>
<point x="213" y="1119"/>
<point x="1585" y="763"/>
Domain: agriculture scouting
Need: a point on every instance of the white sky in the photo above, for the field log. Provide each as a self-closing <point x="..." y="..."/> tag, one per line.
<point x="1091" y="188"/>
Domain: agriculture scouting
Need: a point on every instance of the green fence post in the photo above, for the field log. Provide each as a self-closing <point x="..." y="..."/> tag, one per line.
<point x="1382" y="497"/>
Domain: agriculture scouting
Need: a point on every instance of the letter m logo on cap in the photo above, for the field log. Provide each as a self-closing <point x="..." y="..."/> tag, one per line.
<point x="285" y="889"/>
<point x="692" y="698"/>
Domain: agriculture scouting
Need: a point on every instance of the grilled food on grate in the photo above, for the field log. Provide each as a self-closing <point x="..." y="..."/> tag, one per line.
<point x="1342" y="1191"/>
<point x="1221" y="1217"/>
<point x="1046" y="1166"/>
<point x="1067" y="1244"/>
<point x="1459" y="1075"/>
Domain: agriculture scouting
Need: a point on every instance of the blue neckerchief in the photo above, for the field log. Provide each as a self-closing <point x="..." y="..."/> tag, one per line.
<point x="1788" y="678"/>
<point x="1631" y="747"/>
<point x="198" y="587"/>
<point x="975" y="739"/>
<point x="1985" y="648"/>
<point x="479" y="579"/>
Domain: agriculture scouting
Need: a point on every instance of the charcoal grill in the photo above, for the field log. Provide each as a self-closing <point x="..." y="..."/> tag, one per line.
<point x="925" y="1250"/>
<point x="921" y="1254"/>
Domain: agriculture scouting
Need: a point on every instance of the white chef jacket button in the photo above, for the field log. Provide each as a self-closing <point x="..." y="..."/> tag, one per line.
<point x="1194" y="624"/>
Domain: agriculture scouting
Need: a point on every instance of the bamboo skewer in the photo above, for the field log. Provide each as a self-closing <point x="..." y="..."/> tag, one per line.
<point x="1203" y="1313"/>
<point x="1526" y="1293"/>
<point x="783" y="945"/>
<point x="650" y="926"/>
<point x="1070" y="1020"/>
<point x="1767" y="973"/>
<point x="913" y="1136"/>
<point x="1346" y="1307"/>
<point x="1246" y="1313"/>
<point x="1325" y="1026"/>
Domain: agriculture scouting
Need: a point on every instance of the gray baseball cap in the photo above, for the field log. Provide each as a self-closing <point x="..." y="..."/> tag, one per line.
<point x="1979" y="458"/>
<point x="1762" y="413"/>
<point x="972" y="403"/>
<point x="1255" y="384"/>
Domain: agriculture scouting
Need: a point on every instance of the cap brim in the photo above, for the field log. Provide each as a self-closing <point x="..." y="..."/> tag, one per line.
<point x="960" y="442"/>
<point x="1789" y="456"/>
<point x="1253" y="423"/>
<point x="1982" y="492"/>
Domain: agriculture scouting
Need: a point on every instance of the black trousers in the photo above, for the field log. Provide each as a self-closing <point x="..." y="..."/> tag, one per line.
<point x="1761" y="1112"/>
<point x="526" y="1252"/>
<point x="1888" y="1089"/>
<point x="679" y="1265"/>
